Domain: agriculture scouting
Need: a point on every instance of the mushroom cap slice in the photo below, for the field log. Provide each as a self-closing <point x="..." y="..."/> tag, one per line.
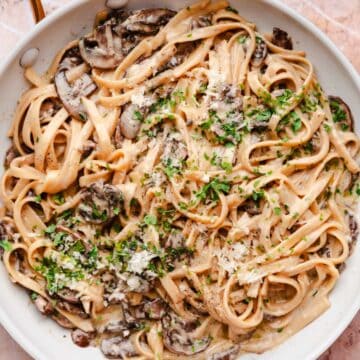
<point x="100" y="203"/>
<point x="81" y="338"/>
<point x="281" y="38"/>
<point x="177" y="336"/>
<point x="118" y="347"/>
<point x="113" y="40"/>
<point x="129" y="124"/>
<point x="103" y="49"/>
<point x="341" y="112"/>
<point x="260" y="53"/>
<point x="147" y="21"/>
<point x="71" y="94"/>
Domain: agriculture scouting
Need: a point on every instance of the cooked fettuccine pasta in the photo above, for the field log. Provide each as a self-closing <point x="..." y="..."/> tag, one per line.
<point x="179" y="186"/>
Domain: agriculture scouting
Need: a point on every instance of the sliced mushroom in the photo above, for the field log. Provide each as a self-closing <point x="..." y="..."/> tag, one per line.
<point x="354" y="231"/>
<point x="130" y="122"/>
<point x="7" y="232"/>
<point x="72" y="309"/>
<point x="175" y="239"/>
<point x="341" y="111"/>
<point x="260" y="53"/>
<point x="104" y="48"/>
<point x="87" y="148"/>
<point x="119" y="327"/>
<point x="69" y="296"/>
<point x="118" y="137"/>
<point x="154" y="309"/>
<point x="123" y="30"/>
<point x="251" y="207"/>
<point x="70" y="94"/>
<point x="175" y="151"/>
<point x="201" y="21"/>
<point x="183" y="50"/>
<point x="100" y="203"/>
<point x="49" y="108"/>
<point x="11" y="154"/>
<point x="227" y="354"/>
<point x="118" y="347"/>
<point x="63" y="321"/>
<point x="177" y="336"/>
<point x="281" y="38"/>
<point x="43" y="305"/>
<point x="81" y="338"/>
<point x="147" y="21"/>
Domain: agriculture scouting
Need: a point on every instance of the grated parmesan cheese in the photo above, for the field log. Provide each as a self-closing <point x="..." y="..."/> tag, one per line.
<point x="139" y="98"/>
<point x="140" y="261"/>
<point x="229" y="258"/>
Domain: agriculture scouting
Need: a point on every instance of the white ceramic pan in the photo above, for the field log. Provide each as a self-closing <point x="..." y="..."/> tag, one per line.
<point x="43" y="339"/>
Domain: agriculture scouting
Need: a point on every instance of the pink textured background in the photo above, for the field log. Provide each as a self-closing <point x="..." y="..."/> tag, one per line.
<point x="340" y="20"/>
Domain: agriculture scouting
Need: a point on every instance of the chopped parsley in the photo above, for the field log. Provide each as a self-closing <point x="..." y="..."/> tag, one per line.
<point x="50" y="229"/>
<point x="58" y="199"/>
<point x="170" y="170"/>
<point x="338" y="114"/>
<point x="213" y="189"/>
<point x="327" y="128"/>
<point x="150" y="219"/>
<point x="6" y="245"/>
<point x="296" y="122"/>
<point x="283" y="100"/>
<point x="264" y="115"/>
<point x="257" y="195"/>
<point x="97" y="214"/>
<point x="242" y="39"/>
<point x="227" y="166"/>
<point x="138" y="115"/>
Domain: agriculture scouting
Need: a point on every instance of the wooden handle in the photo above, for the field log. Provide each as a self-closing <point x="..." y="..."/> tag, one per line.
<point x="38" y="9"/>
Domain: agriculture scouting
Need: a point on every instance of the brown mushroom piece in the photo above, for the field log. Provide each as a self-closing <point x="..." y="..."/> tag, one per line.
<point x="227" y="354"/>
<point x="103" y="49"/>
<point x="354" y="232"/>
<point x="177" y="336"/>
<point x="260" y="53"/>
<point x="87" y="148"/>
<point x="281" y="38"/>
<point x="183" y="50"/>
<point x="43" y="305"/>
<point x="153" y="309"/>
<point x="175" y="239"/>
<point x="147" y="21"/>
<point x="7" y="232"/>
<point x="175" y="151"/>
<point x="100" y="203"/>
<point x="117" y="347"/>
<point x="63" y="321"/>
<point x="72" y="309"/>
<point x="130" y="121"/>
<point x="68" y="295"/>
<point x="11" y="154"/>
<point x="81" y="338"/>
<point x="70" y="93"/>
<point x="119" y="327"/>
<point x="341" y="112"/>
<point x="121" y="32"/>
<point x="49" y="108"/>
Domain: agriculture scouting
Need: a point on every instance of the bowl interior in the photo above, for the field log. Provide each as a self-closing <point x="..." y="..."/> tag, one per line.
<point x="45" y="340"/>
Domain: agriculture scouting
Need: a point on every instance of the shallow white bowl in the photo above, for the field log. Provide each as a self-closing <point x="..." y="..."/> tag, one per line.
<point x="43" y="339"/>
